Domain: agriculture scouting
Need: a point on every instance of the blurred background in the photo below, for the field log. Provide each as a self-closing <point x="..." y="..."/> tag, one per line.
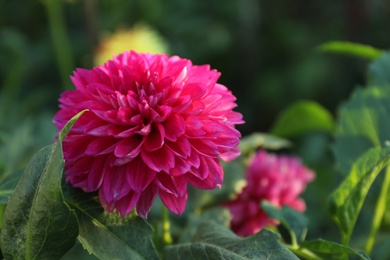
<point x="266" y="51"/>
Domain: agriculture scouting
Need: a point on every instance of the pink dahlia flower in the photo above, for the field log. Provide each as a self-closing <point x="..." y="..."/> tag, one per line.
<point x="277" y="179"/>
<point x="155" y="124"/>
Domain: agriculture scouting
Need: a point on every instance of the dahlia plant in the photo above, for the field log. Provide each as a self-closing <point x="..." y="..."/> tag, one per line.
<point x="148" y="164"/>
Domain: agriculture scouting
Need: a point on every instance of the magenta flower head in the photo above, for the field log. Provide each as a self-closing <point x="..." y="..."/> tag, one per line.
<point x="155" y="125"/>
<point x="277" y="179"/>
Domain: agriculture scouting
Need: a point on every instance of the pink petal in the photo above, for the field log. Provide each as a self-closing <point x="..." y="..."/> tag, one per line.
<point x="146" y="200"/>
<point x="174" y="127"/>
<point x="115" y="185"/>
<point x="208" y="176"/>
<point x="139" y="176"/>
<point x="176" y="185"/>
<point x="205" y="147"/>
<point x="102" y="145"/>
<point x="128" y="147"/>
<point x="172" y="202"/>
<point x="181" y="147"/>
<point x="155" y="139"/>
<point x="126" y="204"/>
<point x="160" y="160"/>
<point x="96" y="172"/>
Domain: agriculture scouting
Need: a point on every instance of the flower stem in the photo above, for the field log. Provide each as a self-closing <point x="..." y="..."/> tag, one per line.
<point x="166" y="227"/>
<point x="303" y="252"/>
<point x="379" y="211"/>
<point x="60" y="40"/>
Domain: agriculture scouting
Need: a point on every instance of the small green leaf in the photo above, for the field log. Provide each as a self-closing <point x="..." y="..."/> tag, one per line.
<point x="108" y="236"/>
<point x="253" y="141"/>
<point x="303" y="117"/>
<point x="295" y="222"/>
<point x="213" y="241"/>
<point x="347" y="200"/>
<point x="37" y="223"/>
<point x="379" y="71"/>
<point x="351" y="48"/>
<point x="331" y="249"/>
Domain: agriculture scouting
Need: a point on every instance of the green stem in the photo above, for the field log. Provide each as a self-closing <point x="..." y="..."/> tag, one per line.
<point x="166" y="232"/>
<point x="379" y="212"/>
<point x="303" y="252"/>
<point x="61" y="42"/>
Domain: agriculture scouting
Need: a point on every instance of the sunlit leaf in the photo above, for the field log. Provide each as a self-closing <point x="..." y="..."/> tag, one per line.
<point x="303" y="117"/>
<point x="37" y="223"/>
<point x="108" y="236"/>
<point x="253" y="141"/>
<point x="351" y="48"/>
<point x="331" y="250"/>
<point x="347" y="200"/>
<point x="213" y="241"/>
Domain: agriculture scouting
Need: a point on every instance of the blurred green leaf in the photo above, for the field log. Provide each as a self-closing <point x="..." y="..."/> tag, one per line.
<point x="7" y="186"/>
<point x="379" y="71"/>
<point x="331" y="250"/>
<point x="37" y="223"/>
<point x="346" y="201"/>
<point x="295" y="222"/>
<point x="108" y="236"/>
<point x="213" y="241"/>
<point x="351" y="48"/>
<point x="303" y="117"/>
<point x="363" y="124"/>
<point x="253" y="141"/>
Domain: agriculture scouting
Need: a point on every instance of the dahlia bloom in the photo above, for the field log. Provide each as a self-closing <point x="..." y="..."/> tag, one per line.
<point x="155" y="125"/>
<point x="277" y="179"/>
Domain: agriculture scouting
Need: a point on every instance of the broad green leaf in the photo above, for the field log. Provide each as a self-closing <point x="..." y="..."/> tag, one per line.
<point x="253" y="141"/>
<point x="218" y="215"/>
<point x="303" y="117"/>
<point x="346" y="201"/>
<point x="379" y="71"/>
<point x="37" y="223"/>
<point x="351" y="48"/>
<point x="108" y="236"/>
<point x="295" y="222"/>
<point x="7" y="186"/>
<point x="331" y="250"/>
<point x="213" y="241"/>
<point x="363" y="123"/>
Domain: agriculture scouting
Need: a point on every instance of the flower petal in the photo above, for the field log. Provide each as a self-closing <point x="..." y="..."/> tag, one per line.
<point x="172" y="202"/>
<point x="146" y="200"/>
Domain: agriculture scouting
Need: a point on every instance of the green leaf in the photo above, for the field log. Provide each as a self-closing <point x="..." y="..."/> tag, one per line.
<point x="331" y="249"/>
<point x="253" y="141"/>
<point x="219" y="215"/>
<point x="363" y="124"/>
<point x="346" y="201"/>
<point x="7" y="186"/>
<point x="379" y="71"/>
<point x="37" y="223"/>
<point x="213" y="241"/>
<point x="303" y="117"/>
<point x="108" y="236"/>
<point x="351" y="48"/>
<point x="295" y="222"/>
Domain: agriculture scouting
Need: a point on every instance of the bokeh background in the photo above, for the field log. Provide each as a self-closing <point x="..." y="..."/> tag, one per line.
<point x="267" y="52"/>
